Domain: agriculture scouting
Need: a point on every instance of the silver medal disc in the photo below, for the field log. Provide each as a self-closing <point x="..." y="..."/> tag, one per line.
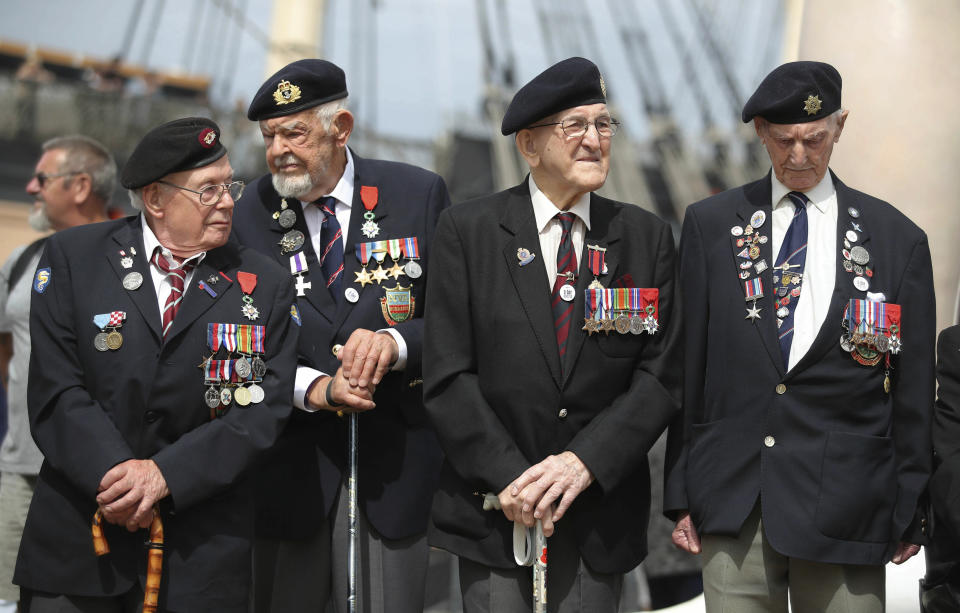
<point x="636" y="324"/>
<point x="567" y="292"/>
<point x="412" y="269"/>
<point x="259" y="368"/>
<point x="256" y="394"/>
<point x="291" y="241"/>
<point x="622" y="324"/>
<point x="351" y="294"/>
<point x="242" y="368"/>
<point x="287" y="219"/>
<point x="132" y="280"/>
<point x="861" y="283"/>
<point x="100" y="341"/>
<point x="883" y="343"/>
<point x="212" y="397"/>
<point x="845" y="343"/>
<point x="859" y="255"/>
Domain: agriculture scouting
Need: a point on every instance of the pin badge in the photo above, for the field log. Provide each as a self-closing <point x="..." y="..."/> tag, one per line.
<point x="132" y="281"/>
<point x="567" y="292"/>
<point x="852" y="212"/>
<point x="524" y="255"/>
<point x="851" y="236"/>
<point x="736" y="231"/>
<point x="861" y="283"/>
<point x="351" y="294"/>
<point x="758" y="219"/>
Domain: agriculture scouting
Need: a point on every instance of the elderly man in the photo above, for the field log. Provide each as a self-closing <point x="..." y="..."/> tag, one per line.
<point x="551" y="363"/>
<point x="71" y="186"/>
<point x="161" y="369"/>
<point x="809" y="372"/>
<point x="355" y="234"/>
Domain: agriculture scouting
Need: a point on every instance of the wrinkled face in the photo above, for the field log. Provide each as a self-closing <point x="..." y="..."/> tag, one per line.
<point x="299" y="153"/>
<point x="800" y="153"/>
<point x="181" y="223"/>
<point x="54" y="200"/>
<point x="575" y="164"/>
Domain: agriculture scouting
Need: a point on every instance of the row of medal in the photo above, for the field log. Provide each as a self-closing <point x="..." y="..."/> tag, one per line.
<point x="856" y="259"/>
<point x="746" y="241"/>
<point x="109" y="338"/>
<point x="872" y="332"/>
<point x="234" y="379"/>
<point x="628" y="310"/>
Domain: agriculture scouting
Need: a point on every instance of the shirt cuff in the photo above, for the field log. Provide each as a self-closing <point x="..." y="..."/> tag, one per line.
<point x="401" y="363"/>
<point x="305" y="377"/>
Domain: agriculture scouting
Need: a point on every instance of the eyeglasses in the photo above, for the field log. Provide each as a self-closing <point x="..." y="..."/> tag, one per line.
<point x="575" y="128"/>
<point x="43" y="177"/>
<point x="211" y="194"/>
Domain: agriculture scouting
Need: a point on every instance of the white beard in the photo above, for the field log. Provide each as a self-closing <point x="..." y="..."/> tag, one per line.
<point x="38" y="219"/>
<point x="292" y="186"/>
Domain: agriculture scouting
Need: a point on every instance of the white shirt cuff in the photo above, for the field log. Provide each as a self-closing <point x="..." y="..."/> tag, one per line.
<point x="305" y="376"/>
<point x="401" y="363"/>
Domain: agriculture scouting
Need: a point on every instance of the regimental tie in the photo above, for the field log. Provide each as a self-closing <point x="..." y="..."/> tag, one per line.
<point x="566" y="272"/>
<point x="177" y="276"/>
<point x="788" y="272"/>
<point x="331" y="242"/>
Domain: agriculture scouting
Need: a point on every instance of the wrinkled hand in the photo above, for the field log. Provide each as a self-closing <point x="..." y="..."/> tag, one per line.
<point x="512" y="505"/>
<point x="561" y="476"/>
<point x="367" y="356"/>
<point x="685" y="535"/>
<point x="128" y="492"/>
<point x="904" y="552"/>
<point x="351" y="398"/>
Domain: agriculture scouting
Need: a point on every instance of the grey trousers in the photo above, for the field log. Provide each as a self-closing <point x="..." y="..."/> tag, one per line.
<point x="302" y="576"/>
<point x="571" y="585"/>
<point x="746" y="575"/>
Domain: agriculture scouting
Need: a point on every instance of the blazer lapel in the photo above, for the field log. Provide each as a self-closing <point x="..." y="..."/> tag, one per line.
<point x="530" y="280"/>
<point x="144" y="296"/>
<point x="602" y="234"/>
<point x="195" y="300"/>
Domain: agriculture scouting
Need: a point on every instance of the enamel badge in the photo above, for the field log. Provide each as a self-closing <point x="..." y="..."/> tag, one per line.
<point x="397" y="304"/>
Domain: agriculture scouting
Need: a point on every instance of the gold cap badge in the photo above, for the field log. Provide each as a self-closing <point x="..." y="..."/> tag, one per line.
<point x="812" y="105"/>
<point x="286" y="93"/>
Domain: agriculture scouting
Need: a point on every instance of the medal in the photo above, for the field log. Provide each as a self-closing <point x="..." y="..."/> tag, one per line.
<point x="242" y="368"/>
<point x="259" y="366"/>
<point x="859" y="255"/>
<point x="111" y="321"/>
<point x="622" y="324"/>
<point x="291" y="241"/>
<point x="100" y="341"/>
<point x="287" y="218"/>
<point x="411" y="249"/>
<point x="241" y="396"/>
<point x="637" y="325"/>
<point x="298" y="268"/>
<point x="395" y="271"/>
<point x="248" y="283"/>
<point x="369" y="195"/>
<point x="212" y="397"/>
<point x="413" y="270"/>
<point x="132" y="280"/>
<point x="114" y="340"/>
<point x="225" y="396"/>
<point x="256" y="393"/>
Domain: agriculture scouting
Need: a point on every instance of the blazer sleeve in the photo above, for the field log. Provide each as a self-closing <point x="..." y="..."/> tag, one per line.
<point x="945" y="484"/>
<point x="913" y="390"/>
<point x="71" y="428"/>
<point x="652" y="399"/>
<point x="696" y="315"/>
<point x="475" y="441"/>
<point x="211" y="458"/>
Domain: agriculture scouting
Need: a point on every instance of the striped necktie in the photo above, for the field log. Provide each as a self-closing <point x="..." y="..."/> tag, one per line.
<point x="331" y="242"/>
<point x="566" y="271"/>
<point x="177" y="276"/>
<point x="788" y="272"/>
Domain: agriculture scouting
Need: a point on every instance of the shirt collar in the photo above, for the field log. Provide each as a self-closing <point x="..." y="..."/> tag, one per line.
<point x="544" y="210"/>
<point x="343" y="190"/>
<point x="819" y="194"/>
<point x="150" y="243"/>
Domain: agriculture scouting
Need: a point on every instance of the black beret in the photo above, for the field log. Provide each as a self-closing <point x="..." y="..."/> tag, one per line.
<point x="796" y="92"/>
<point x="573" y="82"/>
<point x="181" y="144"/>
<point x="301" y="85"/>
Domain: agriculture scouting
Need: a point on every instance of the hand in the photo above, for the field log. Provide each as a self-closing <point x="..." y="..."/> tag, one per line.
<point x="351" y="399"/>
<point x="685" y="535"/>
<point x="511" y="506"/>
<point x="904" y="552"/>
<point x="367" y="356"/>
<point x="561" y="476"/>
<point x="128" y="492"/>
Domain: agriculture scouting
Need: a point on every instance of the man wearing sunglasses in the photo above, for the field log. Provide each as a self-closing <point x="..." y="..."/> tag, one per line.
<point x="71" y="186"/>
<point x="550" y="360"/>
<point x="162" y="367"/>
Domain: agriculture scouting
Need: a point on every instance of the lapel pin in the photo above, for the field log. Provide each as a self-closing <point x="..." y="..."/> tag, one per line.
<point x="524" y="255"/>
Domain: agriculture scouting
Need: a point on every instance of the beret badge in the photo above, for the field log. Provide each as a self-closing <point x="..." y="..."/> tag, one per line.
<point x="603" y="86"/>
<point x="286" y="93"/>
<point x="207" y="138"/>
<point x="812" y="105"/>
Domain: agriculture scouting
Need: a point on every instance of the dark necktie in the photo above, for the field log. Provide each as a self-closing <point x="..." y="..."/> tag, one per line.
<point x="566" y="271"/>
<point x="177" y="276"/>
<point x="331" y="243"/>
<point x="788" y="272"/>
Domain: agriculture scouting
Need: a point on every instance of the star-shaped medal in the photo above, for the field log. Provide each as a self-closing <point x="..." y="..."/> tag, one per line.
<point x="380" y="274"/>
<point x="606" y="324"/>
<point x="590" y="325"/>
<point x="753" y="311"/>
<point x="395" y="271"/>
<point x="363" y="277"/>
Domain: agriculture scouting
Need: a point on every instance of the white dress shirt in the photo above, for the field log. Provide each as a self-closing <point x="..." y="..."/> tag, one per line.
<point x="161" y="283"/>
<point x="820" y="267"/>
<point x="313" y="216"/>
<point x="550" y="229"/>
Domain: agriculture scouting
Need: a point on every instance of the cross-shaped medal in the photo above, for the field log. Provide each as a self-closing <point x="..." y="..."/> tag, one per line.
<point x="302" y="285"/>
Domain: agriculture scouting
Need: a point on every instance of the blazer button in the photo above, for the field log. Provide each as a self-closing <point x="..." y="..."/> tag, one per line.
<point x="769" y="441"/>
<point x="336" y="349"/>
<point x="151" y="416"/>
<point x="781" y="388"/>
<point x="562" y="413"/>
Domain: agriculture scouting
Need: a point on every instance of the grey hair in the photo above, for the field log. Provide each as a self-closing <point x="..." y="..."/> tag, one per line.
<point x="136" y="198"/>
<point x="86" y="155"/>
<point x="326" y="111"/>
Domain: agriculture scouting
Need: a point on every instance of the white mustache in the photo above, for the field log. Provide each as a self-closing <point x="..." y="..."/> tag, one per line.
<point x="287" y="158"/>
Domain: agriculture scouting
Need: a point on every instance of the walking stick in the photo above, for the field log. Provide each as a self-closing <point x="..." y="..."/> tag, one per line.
<point x="529" y="549"/>
<point x="354" y="546"/>
<point x="151" y="593"/>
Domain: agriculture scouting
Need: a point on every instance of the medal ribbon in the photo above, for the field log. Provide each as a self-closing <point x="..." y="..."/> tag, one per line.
<point x="596" y="259"/>
<point x="411" y="248"/>
<point x="211" y="372"/>
<point x="226" y="369"/>
<point x="394" y="248"/>
<point x="245" y="339"/>
<point x="101" y="320"/>
<point x="258" y="338"/>
<point x="369" y="195"/>
<point x="116" y="318"/>
<point x="213" y="339"/>
<point x="753" y="289"/>
<point x="247" y="280"/>
<point x="363" y="253"/>
<point x="594" y="299"/>
<point x="298" y="263"/>
<point x="227" y="334"/>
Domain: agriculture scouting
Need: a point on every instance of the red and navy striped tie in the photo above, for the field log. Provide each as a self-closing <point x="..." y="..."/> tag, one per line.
<point x="331" y="241"/>
<point x="791" y="259"/>
<point x="177" y="276"/>
<point x="566" y="271"/>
